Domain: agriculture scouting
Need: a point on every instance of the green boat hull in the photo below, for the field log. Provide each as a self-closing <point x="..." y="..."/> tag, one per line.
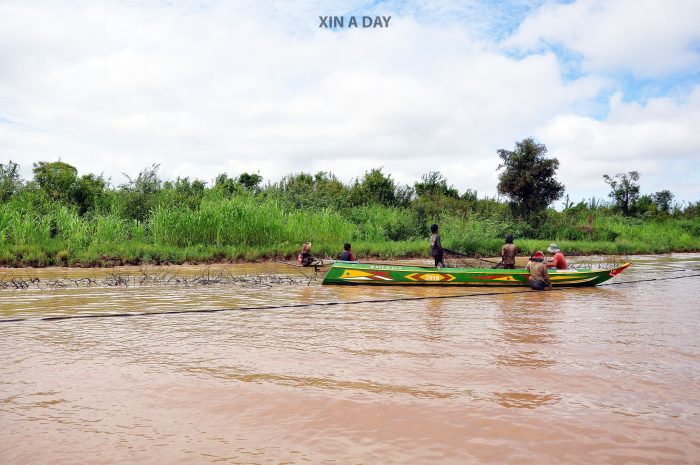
<point x="375" y="274"/>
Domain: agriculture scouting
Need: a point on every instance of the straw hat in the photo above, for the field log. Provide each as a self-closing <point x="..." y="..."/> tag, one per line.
<point x="553" y="248"/>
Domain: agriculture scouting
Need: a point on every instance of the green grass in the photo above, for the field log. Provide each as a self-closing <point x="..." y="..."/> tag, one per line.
<point x="246" y="228"/>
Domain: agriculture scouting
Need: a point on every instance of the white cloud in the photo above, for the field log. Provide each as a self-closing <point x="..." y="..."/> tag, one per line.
<point x="654" y="139"/>
<point x="647" y="37"/>
<point x="259" y="87"/>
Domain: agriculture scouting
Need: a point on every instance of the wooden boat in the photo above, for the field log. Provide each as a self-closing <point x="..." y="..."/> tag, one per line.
<point x="379" y="274"/>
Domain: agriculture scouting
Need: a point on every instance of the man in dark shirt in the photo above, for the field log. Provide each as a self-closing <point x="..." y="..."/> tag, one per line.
<point x="346" y="255"/>
<point x="436" y="249"/>
<point x="508" y="253"/>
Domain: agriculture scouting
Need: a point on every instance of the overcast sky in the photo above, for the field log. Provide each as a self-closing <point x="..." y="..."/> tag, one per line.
<point x="204" y="87"/>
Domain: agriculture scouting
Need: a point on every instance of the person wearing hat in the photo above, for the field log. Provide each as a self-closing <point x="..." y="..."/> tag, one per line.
<point x="558" y="262"/>
<point x="539" y="277"/>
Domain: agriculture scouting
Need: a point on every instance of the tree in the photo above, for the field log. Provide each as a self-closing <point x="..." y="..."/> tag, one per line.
<point x="60" y="182"/>
<point x="329" y="191"/>
<point x="304" y="190"/>
<point x="624" y="190"/>
<point x="228" y="185"/>
<point x="645" y="206"/>
<point x="404" y="195"/>
<point x="141" y="194"/>
<point x="663" y="200"/>
<point x="10" y="181"/>
<point x="182" y="192"/>
<point x="528" y="179"/>
<point x="250" y="181"/>
<point x="55" y="178"/>
<point x="470" y="196"/>
<point x="375" y="187"/>
<point x="86" y="191"/>
<point x="434" y="183"/>
<point x="147" y="182"/>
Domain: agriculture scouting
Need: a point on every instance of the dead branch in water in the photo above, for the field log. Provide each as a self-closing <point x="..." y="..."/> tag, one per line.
<point x="145" y="278"/>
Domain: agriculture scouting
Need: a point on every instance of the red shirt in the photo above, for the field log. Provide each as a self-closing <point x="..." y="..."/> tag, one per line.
<point x="559" y="262"/>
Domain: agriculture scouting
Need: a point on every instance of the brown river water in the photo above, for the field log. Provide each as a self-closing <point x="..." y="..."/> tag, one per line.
<point x="605" y="375"/>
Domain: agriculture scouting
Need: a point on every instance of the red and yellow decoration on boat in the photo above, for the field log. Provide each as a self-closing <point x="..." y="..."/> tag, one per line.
<point x="431" y="277"/>
<point x="364" y="273"/>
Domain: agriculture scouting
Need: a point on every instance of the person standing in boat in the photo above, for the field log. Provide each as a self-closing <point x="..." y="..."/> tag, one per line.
<point x="305" y="257"/>
<point x="558" y="262"/>
<point x="436" y="250"/>
<point x="508" y="254"/>
<point x="346" y="255"/>
<point x="539" y="277"/>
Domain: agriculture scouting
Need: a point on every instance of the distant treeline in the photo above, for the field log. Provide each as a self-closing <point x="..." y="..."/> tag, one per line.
<point x="61" y="217"/>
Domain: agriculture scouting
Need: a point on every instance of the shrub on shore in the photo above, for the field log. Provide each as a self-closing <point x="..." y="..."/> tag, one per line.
<point x="147" y="220"/>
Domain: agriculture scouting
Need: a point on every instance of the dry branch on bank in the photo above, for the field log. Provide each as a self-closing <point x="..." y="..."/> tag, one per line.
<point x="165" y="278"/>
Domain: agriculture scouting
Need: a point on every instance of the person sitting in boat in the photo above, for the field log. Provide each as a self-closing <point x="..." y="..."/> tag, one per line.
<point x="305" y="257"/>
<point x="346" y="255"/>
<point x="539" y="277"/>
<point x="508" y="254"/>
<point x="558" y="262"/>
<point x="436" y="250"/>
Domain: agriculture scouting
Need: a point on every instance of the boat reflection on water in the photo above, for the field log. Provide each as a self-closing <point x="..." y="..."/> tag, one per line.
<point x="434" y="320"/>
<point x="528" y="333"/>
<point x="527" y="322"/>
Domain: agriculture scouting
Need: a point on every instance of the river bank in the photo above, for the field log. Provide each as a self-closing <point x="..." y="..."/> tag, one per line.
<point x="60" y="253"/>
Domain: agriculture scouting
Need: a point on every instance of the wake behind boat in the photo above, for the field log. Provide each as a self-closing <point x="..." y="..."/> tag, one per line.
<point x="381" y="274"/>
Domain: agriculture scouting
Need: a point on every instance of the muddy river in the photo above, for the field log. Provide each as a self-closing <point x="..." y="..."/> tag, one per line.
<point x="605" y="375"/>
